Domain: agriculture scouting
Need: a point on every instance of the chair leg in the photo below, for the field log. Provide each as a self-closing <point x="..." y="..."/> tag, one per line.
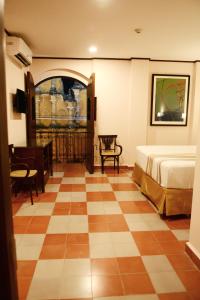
<point x="14" y="189"/>
<point x="118" y="164"/>
<point x="31" y="194"/>
<point x="102" y="165"/>
<point x="36" y="186"/>
<point x="114" y="163"/>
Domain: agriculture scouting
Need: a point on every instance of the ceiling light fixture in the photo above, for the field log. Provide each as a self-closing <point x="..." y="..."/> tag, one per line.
<point x="138" y="30"/>
<point x="93" y="49"/>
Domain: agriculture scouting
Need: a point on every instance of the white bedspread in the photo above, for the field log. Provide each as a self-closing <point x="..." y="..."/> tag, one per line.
<point x="168" y="169"/>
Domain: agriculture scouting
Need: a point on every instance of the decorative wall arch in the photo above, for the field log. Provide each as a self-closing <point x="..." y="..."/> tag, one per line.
<point x="62" y="72"/>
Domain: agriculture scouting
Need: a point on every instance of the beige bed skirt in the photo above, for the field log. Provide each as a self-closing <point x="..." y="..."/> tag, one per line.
<point x="167" y="201"/>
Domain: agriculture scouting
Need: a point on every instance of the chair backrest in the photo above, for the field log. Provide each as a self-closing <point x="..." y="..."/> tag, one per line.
<point x="107" y="142"/>
<point x="15" y="160"/>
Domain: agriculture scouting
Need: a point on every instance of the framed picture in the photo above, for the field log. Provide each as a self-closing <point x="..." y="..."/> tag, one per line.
<point x="169" y="103"/>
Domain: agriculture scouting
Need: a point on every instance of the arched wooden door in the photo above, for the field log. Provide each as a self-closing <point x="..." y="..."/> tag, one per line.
<point x="31" y="114"/>
<point x="91" y="118"/>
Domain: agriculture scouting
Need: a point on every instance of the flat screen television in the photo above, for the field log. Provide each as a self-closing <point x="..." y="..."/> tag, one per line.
<point x="20" y="101"/>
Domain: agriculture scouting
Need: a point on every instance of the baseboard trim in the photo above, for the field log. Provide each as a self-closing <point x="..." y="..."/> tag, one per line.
<point x="192" y="254"/>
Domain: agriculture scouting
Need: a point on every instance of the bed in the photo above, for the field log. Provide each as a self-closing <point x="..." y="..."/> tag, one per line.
<point x="165" y="175"/>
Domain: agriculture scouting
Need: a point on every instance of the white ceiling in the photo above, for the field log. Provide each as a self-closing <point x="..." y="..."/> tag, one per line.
<point x="66" y="28"/>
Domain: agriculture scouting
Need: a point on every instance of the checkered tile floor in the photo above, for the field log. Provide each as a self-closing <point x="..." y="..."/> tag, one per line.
<point x="97" y="237"/>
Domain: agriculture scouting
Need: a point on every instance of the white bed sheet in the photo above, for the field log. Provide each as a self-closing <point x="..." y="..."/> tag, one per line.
<point x="173" y="172"/>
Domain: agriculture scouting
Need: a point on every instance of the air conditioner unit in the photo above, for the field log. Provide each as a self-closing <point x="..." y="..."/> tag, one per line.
<point x="17" y="48"/>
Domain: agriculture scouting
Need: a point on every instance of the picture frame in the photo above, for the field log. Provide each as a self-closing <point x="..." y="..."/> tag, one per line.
<point x="169" y="100"/>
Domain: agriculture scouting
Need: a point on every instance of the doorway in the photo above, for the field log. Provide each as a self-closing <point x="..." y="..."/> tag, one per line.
<point x="61" y="115"/>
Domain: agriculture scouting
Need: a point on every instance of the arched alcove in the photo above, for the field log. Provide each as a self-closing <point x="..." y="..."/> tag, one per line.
<point x="70" y="143"/>
<point x="62" y="72"/>
<point x="61" y="102"/>
<point x="61" y="114"/>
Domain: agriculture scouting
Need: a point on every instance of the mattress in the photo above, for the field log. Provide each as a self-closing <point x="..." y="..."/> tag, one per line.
<point x="170" y="166"/>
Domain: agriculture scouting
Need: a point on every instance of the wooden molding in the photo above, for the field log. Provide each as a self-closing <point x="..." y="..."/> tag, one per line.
<point x="118" y="58"/>
<point x="192" y="255"/>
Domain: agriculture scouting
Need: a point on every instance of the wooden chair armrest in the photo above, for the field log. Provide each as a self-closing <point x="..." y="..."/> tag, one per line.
<point x="21" y="166"/>
<point x="29" y="161"/>
<point x="120" y="148"/>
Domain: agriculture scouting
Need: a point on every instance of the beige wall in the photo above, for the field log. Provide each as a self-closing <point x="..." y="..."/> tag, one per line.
<point x="123" y="90"/>
<point x="138" y="108"/>
<point x="16" y="121"/>
<point x="113" y="101"/>
<point x="43" y="68"/>
<point x="195" y="112"/>
<point x="194" y="239"/>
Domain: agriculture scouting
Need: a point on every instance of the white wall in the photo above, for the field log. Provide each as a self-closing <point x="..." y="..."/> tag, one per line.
<point x="113" y="100"/>
<point x="138" y="108"/>
<point x="16" y="121"/>
<point x="196" y="104"/>
<point x="123" y="90"/>
<point x="194" y="238"/>
<point x="44" y="67"/>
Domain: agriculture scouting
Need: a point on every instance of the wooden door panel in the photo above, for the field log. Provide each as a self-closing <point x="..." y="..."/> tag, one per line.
<point x="30" y="115"/>
<point x="91" y="117"/>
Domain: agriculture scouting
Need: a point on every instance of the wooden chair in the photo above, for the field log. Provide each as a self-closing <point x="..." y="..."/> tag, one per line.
<point x="22" y="173"/>
<point x="109" y="150"/>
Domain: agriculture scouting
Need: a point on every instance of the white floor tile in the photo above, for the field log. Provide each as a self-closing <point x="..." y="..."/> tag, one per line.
<point x="120" y="179"/>
<point x="71" y="197"/>
<point x="68" y="224"/>
<point x="103" y="187"/>
<point x="57" y="174"/>
<point x="44" y="289"/>
<point x="52" y="187"/>
<point x="58" y="224"/>
<point x="95" y="174"/>
<point x="125" y="249"/>
<point x="49" y="268"/>
<point x="95" y="208"/>
<point x="111" y="207"/>
<point x="78" y="197"/>
<point x="77" y="224"/>
<point x="121" y="237"/>
<point x="37" y="209"/>
<point x="145" y="222"/>
<point x="166" y="282"/>
<point x="104" y="250"/>
<point x="157" y="263"/>
<point x="136" y="223"/>
<point x="73" y="180"/>
<point x="46" y="280"/>
<point x="155" y="222"/>
<point x="76" y="287"/>
<point x="30" y="246"/>
<point x="129" y="196"/>
<point x="63" y="197"/>
<point x="181" y="234"/>
<point x="99" y="238"/>
<point x="77" y="267"/>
